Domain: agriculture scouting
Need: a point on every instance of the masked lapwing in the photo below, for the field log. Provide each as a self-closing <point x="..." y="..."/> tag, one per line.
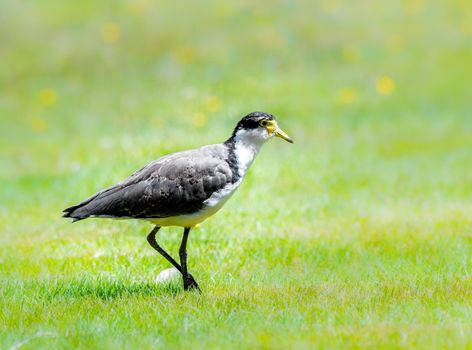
<point x="185" y="188"/>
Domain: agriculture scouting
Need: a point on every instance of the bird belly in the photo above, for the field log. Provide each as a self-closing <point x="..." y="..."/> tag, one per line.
<point x="210" y="207"/>
<point x="188" y="220"/>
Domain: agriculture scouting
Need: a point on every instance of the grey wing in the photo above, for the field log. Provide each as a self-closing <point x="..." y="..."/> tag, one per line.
<point x="174" y="185"/>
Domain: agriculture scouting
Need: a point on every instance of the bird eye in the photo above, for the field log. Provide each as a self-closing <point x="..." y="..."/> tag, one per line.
<point x="263" y="123"/>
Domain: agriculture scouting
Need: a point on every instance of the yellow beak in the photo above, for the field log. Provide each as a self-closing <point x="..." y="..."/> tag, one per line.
<point x="273" y="128"/>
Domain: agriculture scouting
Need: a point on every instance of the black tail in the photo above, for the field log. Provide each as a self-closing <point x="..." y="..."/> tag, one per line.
<point x="78" y="212"/>
<point x="70" y="213"/>
<point x="86" y="208"/>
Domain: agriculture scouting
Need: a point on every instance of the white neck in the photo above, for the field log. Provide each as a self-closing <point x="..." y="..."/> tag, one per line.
<point x="246" y="148"/>
<point x="245" y="153"/>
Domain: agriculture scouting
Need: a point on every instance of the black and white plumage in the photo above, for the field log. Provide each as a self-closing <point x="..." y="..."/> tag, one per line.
<point x="169" y="191"/>
<point x="184" y="188"/>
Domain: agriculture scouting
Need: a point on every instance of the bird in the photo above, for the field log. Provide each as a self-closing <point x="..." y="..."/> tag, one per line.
<point x="184" y="188"/>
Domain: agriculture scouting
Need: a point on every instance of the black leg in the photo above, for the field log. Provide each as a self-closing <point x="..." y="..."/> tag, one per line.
<point x="189" y="282"/>
<point x="152" y="241"/>
<point x="151" y="238"/>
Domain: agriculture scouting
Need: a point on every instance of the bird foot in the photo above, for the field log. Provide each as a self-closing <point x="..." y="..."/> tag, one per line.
<point x="190" y="283"/>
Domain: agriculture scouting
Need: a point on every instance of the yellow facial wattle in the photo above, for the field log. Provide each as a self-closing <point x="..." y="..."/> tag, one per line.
<point x="273" y="129"/>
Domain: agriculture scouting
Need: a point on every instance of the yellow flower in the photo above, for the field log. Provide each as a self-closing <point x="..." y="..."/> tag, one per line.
<point x="212" y="104"/>
<point x="467" y="27"/>
<point x="395" y="43"/>
<point x="414" y="7"/>
<point x="139" y="7"/>
<point x="385" y="85"/>
<point x="158" y="122"/>
<point x="185" y="54"/>
<point x="223" y="9"/>
<point x="199" y="120"/>
<point x="48" y="97"/>
<point x="348" y="95"/>
<point x="351" y="54"/>
<point x="38" y="124"/>
<point x="332" y="6"/>
<point x="110" y="33"/>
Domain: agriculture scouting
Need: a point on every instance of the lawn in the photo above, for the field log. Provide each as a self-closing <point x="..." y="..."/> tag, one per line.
<point x="359" y="235"/>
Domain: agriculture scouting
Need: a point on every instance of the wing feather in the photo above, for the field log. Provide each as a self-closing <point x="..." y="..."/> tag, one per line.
<point x="173" y="185"/>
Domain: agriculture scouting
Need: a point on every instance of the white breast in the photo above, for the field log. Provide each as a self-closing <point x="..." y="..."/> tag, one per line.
<point x="247" y="146"/>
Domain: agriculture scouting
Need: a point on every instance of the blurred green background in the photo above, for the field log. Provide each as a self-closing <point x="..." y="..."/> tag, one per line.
<point x="359" y="233"/>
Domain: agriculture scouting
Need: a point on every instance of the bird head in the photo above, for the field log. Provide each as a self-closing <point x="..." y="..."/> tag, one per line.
<point x="259" y="127"/>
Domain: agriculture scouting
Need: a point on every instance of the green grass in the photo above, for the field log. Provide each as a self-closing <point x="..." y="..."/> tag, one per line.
<point x="357" y="236"/>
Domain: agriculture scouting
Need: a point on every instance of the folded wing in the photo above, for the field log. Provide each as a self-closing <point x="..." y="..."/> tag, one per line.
<point x="174" y="185"/>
